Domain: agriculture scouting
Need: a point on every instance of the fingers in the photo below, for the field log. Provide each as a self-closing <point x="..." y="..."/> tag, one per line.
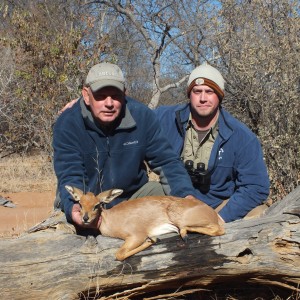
<point x="221" y="221"/>
<point x="77" y="218"/>
<point x="68" y="105"/>
<point x="99" y="222"/>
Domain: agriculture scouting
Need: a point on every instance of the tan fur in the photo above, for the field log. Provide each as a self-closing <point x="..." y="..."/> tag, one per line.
<point x="139" y="221"/>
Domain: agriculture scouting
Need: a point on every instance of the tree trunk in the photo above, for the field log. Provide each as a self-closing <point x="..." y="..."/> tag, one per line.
<point x="259" y="256"/>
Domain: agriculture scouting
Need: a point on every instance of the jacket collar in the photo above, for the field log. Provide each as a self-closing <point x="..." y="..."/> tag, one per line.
<point x="127" y="120"/>
<point x="182" y="116"/>
<point x="225" y="129"/>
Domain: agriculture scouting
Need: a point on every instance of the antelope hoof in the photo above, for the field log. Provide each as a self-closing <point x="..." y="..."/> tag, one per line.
<point x="153" y="240"/>
<point x="185" y="239"/>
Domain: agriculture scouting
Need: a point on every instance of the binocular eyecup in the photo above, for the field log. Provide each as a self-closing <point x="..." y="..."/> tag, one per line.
<point x="199" y="176"/>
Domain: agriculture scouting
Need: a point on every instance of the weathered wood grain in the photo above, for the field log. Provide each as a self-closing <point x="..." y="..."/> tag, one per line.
<point x="52" y="262"/>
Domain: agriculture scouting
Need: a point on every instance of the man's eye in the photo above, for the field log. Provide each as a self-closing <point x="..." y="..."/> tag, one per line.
<point x="99" y="96"/>
<point x="117" y="97"/>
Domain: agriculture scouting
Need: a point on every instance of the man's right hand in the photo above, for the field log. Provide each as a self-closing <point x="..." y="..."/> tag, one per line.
<point x="77" y="218"/>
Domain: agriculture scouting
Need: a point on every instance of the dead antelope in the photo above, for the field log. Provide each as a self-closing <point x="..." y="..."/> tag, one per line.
<point x="139" y="221"/>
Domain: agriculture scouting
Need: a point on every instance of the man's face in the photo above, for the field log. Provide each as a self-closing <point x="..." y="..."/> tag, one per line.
<point x="105" y="104"/>
<point x="204" y="101"/>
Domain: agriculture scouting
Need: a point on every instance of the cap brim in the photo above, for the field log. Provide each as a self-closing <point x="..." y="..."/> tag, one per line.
<point x="96" y="86"/>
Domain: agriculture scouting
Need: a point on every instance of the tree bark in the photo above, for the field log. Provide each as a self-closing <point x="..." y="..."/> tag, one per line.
<point x="51" y="262"/>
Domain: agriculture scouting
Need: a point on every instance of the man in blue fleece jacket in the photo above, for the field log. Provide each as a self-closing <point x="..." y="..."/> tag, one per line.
<point x="102" y="141"/>
<point x="223" y="157"/>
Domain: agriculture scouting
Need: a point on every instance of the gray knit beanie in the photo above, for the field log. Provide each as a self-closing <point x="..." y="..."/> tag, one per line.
<point x="207" y="75"/>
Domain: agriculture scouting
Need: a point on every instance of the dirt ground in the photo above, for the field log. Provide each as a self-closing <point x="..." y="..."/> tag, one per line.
<point x="31" y="208"/>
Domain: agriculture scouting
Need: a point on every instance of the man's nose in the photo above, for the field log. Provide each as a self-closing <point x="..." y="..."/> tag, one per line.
<point x="202" y="96"/>
<point x="109" y="101"/>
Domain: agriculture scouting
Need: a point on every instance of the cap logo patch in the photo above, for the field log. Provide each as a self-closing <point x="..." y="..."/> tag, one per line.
<point x="107" y="74"/>
<point x="199" y="81"/>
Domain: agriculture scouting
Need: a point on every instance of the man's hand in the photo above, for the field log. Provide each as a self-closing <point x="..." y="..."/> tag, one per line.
<point x="77" y="219"/>
<point x="68" y="105"/>
<point x="221" y="221"/>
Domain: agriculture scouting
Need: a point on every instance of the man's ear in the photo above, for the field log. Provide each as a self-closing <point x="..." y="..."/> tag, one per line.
<point x="85" y="95"/>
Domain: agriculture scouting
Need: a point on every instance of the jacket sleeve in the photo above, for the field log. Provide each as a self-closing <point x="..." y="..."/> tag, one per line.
<point x="164" y="161"/>
<point x="251" y="181"/>
<point x="68" y="164"/>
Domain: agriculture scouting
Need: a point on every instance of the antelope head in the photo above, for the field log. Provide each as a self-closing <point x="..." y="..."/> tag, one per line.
<point x="91" y="205"/>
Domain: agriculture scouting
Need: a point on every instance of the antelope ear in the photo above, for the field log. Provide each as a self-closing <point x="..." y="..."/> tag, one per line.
<point x="108" y="196"/>
<point x="74" y="192"/>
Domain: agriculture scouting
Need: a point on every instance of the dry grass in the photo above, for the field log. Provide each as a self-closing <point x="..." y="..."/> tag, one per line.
<point x="31" y="173"/>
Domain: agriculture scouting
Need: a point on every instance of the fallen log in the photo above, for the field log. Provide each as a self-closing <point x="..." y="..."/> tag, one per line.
<point x="258" y="256"/>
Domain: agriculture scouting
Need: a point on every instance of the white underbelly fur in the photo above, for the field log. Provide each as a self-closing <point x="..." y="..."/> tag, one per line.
<point x="163" y="229"/>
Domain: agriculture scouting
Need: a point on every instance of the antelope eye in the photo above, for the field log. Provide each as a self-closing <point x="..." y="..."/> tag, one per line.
<point x="96" y="207"/>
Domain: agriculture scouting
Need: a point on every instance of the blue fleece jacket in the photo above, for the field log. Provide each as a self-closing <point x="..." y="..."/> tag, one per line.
<point x="92" y="160"/>
<point x="238" y="169"/>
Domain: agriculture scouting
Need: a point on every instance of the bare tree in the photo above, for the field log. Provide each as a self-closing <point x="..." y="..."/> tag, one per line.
<point x="7" y="67"/>
<point x="168" y="46"/>
<point x="259" y="49"/>
<point x="255" y="44"/>
<point x="53" y="44"/>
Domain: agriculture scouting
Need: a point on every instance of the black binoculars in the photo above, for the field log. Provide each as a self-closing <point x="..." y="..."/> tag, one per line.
<point x="199" y="176"/>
